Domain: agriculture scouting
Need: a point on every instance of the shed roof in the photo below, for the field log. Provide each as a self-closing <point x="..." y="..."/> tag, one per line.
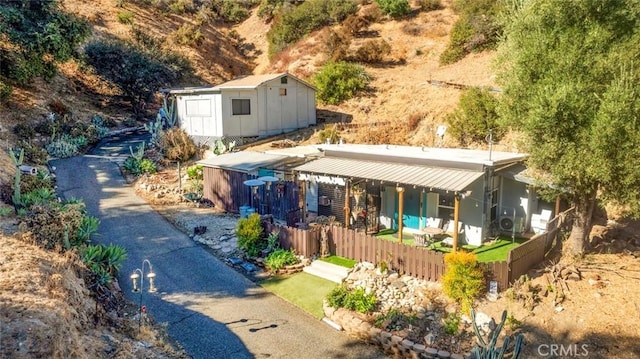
<point x="242" y="82"/>
<point x="243" y="161"/>
<point x="449" y="179"/>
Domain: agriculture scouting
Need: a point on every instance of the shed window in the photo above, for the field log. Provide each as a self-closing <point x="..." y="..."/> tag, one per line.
<point x="283" y="80"/>
<point x="283" y="92"/>
<point x="241" y="106"/>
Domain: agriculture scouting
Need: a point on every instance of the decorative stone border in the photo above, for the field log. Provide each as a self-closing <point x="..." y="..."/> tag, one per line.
<point x="392" y="344"/>
<point x="295" y="268"/>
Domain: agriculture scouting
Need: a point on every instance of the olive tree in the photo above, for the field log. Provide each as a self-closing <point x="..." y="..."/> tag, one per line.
<point x="569" y="73"/>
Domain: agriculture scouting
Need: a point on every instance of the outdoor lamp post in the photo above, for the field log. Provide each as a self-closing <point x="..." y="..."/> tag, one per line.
<point x="268" y="180"/>
<point x="138" y="273"/>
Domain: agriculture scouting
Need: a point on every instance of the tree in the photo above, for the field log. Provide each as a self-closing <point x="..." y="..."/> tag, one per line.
<point x="476" y="115"/>
<point x="569" y="73"/>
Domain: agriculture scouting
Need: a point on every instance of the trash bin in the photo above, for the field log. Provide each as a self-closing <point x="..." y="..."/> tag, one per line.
<point x="250" y="211"/>
<point x="244" y="211"/>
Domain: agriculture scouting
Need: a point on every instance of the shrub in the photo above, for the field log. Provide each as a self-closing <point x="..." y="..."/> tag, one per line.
<point x="230" y="10"/>
<point x="177" y="145"/>
<point x="182" y="6"/>
<point x="66" y="146"/>
<point x="188" y="34"/>
<point x="358" y="300"/>
<point x="24" y="131"/>
<point x="394" y="8"/>
<point x="452" y="323"/>
<point x="477" y="29"/>
<point x="269" y="8"/>
<point x="280" y="258"/>
<point x="125" y="17"/>
<point x="339" y="81"/>
<point x="373" y="51"/>
<point x="463" y="280"/>
<point x="330" y="135"/>
<point x="40" y="196"/>
<point x="337" y="45"/>
<point x="88" y="227"/>
<point x="41" y="180"/>
<point x="105" y="261"/>
<point x="139" y="167"/>
<point x="249" y="232"/>
<point x="299" y="21"/>
<point x="47" y="225"/>
<point x="475" y="115"/>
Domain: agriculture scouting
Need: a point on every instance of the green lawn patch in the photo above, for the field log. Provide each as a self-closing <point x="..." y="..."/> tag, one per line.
<point x="392" y="235"/>
<point x="340" y="261"/>
<point x="303" y="290"/>
<point x="494" y="252"/>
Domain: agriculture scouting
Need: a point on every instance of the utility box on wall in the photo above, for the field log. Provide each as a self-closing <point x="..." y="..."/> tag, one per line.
<point x="324" y="201"/>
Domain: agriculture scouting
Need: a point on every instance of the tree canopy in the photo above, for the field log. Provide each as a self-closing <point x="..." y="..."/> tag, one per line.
<point x="569" y="71"/>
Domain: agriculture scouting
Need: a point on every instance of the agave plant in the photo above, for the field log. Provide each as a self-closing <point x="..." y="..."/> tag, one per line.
<point x="87" y="228"/>
<point x="101" y="258"/>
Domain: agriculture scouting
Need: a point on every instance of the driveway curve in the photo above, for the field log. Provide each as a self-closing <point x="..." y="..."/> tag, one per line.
<point x="210" y="310"/>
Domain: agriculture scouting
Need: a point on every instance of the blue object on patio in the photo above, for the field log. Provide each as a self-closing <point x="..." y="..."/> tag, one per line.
<point x="244" y="211"/>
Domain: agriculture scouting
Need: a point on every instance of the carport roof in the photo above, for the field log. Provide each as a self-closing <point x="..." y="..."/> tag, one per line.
<point x="243" y="161"/>
<point x="449" y="179"/>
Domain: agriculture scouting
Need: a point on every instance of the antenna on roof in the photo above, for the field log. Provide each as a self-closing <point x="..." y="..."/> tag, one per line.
<point x="440" y="131"/>
<point x="489" y="139"/>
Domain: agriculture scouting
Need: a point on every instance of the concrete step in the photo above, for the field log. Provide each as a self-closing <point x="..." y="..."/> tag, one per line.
<point x="328" y="271"/>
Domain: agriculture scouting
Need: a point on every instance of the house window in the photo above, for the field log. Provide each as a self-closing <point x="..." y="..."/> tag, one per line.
<point x="283" y="92"/>
<point x="283" y="80"/>
<point x="241" y="106"/>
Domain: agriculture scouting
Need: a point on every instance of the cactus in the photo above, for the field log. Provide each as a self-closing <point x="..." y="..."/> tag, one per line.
<point x="488" y="350"/>
<point x="17" y="200"/>
<point x="155" y="129"/>
<point x="168" y="113"/>
<point x="139" y="155"/>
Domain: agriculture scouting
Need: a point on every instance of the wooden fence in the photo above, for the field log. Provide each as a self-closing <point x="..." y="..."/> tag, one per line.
<point x="419" y="262"/>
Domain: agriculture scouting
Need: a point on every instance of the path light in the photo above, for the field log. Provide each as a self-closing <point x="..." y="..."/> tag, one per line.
<point x="139" y="274"/>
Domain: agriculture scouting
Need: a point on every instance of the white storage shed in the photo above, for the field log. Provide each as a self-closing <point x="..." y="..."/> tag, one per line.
<point x="245" y="108"/>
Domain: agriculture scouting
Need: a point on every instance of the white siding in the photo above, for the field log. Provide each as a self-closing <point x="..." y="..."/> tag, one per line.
<point x="239" y="125"/>
<point x="198" y="114"/>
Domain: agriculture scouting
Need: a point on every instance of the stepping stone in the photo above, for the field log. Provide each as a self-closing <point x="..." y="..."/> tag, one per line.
<point x="249" y="267"/>
<point x="234" y="261"/>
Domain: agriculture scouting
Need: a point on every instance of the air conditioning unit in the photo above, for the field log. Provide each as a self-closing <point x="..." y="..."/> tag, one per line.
<point x="509" y="224"/>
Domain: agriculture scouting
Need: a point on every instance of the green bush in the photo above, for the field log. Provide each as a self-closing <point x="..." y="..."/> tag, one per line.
<point x="139" y="167"/>
<point x="88" y="227"/>
<point x="279" y="258"/>
<point x="66" y="146"/>
<point x="476" y="114"/>
<point x="463" y="280"/>
<point x="188" y="34"/>
<point x="477" y="29"/>
<point x="298" y="21"/>
<point x="358" y="300"/>
<point x="331" y="135"/>
<point x="125" y="17"/>
<point x="452" y="323"/>
<point x="40" y="196"/>
<point x="36" y="35"/>
<point x="394" y="8"/>
<point x="340" y="81"/>
<point x="231" y="10"/>
<point x="249" y="232"/>
<point x="105" y="261"/>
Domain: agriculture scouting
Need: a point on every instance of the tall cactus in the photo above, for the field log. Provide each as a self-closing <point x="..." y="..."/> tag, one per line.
<point x="488" y="350"/>
<point x="169" y="112"/>
<point x="17" y="199"/>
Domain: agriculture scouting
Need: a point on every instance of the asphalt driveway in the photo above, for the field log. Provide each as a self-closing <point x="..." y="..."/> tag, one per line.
<point x="210" y="309"/>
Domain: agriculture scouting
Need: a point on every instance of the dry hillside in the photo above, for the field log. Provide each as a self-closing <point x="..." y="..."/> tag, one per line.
<point x="42" y="299"/>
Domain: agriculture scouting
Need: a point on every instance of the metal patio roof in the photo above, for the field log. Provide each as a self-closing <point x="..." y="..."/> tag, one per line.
<point x="243" y="161"/>
<point x="449" y="179"/>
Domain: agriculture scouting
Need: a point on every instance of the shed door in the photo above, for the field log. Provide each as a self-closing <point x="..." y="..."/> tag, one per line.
<point x="199" y="118"/>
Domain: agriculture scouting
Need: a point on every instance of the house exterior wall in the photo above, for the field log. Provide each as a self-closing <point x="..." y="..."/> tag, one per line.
<point x="200" y="115"/>
<point x="285" y="112"/>
<point x="514" y="196"/>
<point x="240" y="125"/>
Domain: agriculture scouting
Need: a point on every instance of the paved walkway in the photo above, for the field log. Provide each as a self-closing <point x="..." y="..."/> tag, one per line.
<point x="210" y="309"/>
